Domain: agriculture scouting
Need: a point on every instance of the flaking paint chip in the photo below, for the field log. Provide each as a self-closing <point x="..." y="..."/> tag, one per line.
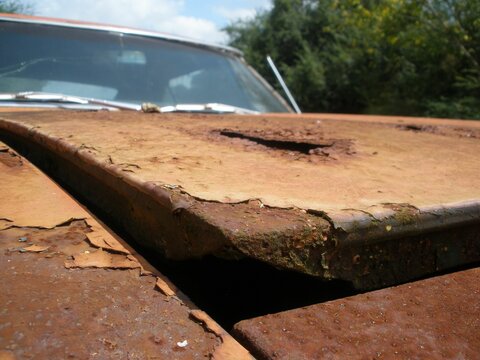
<point x="101" y="259"/>
<point x="164" y="287"/>
<point x="35" y="248"/>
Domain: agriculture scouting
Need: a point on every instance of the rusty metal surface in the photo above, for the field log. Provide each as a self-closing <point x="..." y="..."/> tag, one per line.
<point x="70" y="288"/>
<point x="191" y="185"/>
<point x="324" y="165"/>
<point x="438" y="318"/>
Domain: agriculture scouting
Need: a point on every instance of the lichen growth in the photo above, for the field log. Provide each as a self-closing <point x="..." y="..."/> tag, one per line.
<point x="406" y="215"/>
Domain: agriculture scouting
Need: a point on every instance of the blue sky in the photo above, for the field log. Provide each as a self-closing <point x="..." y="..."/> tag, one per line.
<point x="221" y="12"/>
<point x="202" y="20"/>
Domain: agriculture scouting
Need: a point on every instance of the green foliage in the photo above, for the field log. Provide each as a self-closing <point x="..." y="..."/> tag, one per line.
<point x="12" y="6"/>
<point x="405" y="57"/>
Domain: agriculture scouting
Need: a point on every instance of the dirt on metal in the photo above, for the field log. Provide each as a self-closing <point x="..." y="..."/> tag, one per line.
<point x="298" y="192"/>
<point x="436" y="318"/>
<point x="71" y="289"/>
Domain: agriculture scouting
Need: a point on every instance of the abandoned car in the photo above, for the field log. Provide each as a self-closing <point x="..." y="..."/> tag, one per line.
<point x="158" y="199"/>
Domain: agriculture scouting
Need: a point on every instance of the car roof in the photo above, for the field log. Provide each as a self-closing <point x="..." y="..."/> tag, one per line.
<point x="114" y="28"/>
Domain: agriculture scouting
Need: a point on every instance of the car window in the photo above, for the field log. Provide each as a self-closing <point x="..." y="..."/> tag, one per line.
<point x="128" y="68"/>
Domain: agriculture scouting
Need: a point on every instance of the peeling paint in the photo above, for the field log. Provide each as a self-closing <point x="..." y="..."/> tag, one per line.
<point x="229" y="347"/>
<point x="101" y="259"/>
<point x="164" y="288"/>
<point x="34" y="248"/>
<point x="103" y="240"/>
<point x="84" y="246"/>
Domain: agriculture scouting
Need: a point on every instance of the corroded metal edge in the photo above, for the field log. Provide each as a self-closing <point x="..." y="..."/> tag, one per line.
<point x="404" y="220"/>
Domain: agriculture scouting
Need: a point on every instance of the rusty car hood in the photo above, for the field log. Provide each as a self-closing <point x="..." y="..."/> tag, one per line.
<point x="328" y="163"/>
<point x="363" y="177"/>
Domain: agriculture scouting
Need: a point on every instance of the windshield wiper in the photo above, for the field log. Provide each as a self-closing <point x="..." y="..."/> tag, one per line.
<point x="76" y="102"/>
<point x="60" y="100"/>
<point x="214" y="108"/>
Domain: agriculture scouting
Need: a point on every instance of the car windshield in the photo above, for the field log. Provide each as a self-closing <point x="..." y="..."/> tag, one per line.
<point x="126" y="68"/>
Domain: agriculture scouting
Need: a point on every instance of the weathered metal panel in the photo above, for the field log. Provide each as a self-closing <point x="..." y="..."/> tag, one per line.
<point x="438" y="318"/>
<point x="354" y="198"/>
<point x="70" y="288"/>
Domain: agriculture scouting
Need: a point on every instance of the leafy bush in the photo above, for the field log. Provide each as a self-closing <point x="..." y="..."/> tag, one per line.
<point x="408" y="57"/>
